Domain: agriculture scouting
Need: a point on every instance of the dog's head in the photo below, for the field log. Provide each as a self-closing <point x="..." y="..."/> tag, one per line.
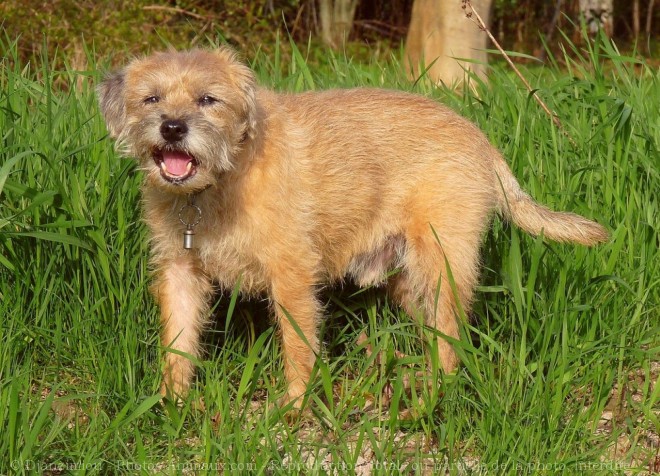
<point x="184" y="115"/>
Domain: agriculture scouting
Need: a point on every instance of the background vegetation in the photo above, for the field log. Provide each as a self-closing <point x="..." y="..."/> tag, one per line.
<point x="119" y="26"/>
<point x="559" y="359"/>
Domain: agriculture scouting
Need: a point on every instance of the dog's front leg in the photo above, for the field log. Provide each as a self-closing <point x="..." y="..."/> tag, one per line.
<point x="182" y="291"/>
<point x="297" y="312"/>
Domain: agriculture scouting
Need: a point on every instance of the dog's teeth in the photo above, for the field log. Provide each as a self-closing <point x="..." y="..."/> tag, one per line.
<point x="188" y="167"/>
<point x="163" y="167"/>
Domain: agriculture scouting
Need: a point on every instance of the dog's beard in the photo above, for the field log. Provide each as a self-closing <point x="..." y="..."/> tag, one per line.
<point x="184" y="166"/>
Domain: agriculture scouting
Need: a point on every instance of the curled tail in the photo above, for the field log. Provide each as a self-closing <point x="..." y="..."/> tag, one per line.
<point x="518" y="207"/>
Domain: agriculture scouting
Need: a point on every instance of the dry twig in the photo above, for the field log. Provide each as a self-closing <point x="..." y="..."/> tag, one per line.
<point x="473" y="15"/>
<point x="175" y="10"/>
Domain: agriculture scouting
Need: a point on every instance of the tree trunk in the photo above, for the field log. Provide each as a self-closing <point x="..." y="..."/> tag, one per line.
<point x="649" y="19"/>
<point x="550" y="31"/>
<point x="635" y="19"/>
<point x="597" y="14"/>
<point x="441" y="39"/>
<point x="336" y="20"/>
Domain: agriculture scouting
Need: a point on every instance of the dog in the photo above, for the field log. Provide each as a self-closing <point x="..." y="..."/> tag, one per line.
<point x="277" y="194"/>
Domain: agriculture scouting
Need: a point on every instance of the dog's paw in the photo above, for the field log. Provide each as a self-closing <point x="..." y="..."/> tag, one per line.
<point x="293" y="408"/>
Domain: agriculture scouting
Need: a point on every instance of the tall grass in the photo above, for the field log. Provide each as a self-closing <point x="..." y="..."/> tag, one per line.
<point x="559" y="358"/>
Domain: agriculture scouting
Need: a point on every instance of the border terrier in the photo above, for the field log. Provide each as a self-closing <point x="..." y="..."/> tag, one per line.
<point x="286" y="192"/>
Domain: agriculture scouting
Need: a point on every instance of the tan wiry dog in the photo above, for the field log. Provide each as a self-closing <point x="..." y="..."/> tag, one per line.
<point x="297" y="190"/>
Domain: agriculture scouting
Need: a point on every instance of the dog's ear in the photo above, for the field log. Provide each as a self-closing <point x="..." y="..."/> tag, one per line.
<point x="243" y="78"/>
<point x="247" y="84"/>
<point x="111" y="100"/>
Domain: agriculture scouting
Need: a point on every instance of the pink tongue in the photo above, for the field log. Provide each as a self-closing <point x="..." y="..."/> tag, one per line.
<point x="176" y="162"/>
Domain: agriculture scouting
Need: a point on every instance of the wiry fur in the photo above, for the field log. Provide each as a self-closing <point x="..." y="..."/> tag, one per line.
<point x="309" y="188"/>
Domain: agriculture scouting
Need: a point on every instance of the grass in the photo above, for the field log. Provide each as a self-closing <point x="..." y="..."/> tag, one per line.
<point x="559" y="359"/>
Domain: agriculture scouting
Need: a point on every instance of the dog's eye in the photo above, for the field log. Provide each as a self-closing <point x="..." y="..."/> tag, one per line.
<point x="151" y="100"/>
<point x="207" y="100"/>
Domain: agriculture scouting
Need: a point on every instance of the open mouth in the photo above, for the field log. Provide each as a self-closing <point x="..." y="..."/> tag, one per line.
<point x="175" y="166"/>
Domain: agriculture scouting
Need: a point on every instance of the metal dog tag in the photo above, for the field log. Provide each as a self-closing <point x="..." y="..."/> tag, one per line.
<point x="189" y="215"/>
<point x="188" y="235"/>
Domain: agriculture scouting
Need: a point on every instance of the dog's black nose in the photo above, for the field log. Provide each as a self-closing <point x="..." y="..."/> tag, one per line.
<point x="173" y="130"/>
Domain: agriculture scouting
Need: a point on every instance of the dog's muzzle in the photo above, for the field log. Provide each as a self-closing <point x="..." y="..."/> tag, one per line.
<point x="176" y="165"/>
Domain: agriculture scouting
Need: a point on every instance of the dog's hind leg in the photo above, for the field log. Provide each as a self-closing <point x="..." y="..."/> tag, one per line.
<point x="424" y="284"/>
